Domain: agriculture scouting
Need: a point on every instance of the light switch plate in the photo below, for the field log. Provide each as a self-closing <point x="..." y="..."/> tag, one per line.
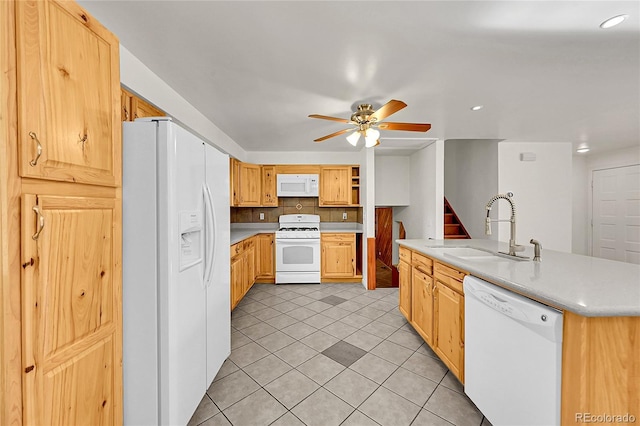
<point x="344" y="216"/>
<point x="261" y="216"/>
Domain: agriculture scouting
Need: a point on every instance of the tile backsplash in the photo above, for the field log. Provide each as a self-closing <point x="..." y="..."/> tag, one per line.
<point x="287" y="205"/>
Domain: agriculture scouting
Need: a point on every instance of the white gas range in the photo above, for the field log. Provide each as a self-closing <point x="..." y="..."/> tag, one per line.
<point x="298" y="249"/>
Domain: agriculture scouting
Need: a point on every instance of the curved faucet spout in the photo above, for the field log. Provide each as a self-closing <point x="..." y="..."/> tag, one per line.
<point x="513" y="247"/>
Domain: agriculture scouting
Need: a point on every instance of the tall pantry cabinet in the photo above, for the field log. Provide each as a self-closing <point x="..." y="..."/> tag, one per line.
<point x="61" y="221"/>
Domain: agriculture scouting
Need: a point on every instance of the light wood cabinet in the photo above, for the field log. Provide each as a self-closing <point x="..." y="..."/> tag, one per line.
<point x="337" y="255"/>
<point x="404" y="279"/>
<point x="422" y="313"/>
<point x="61" y="218"/>
<point x="335" y="186"/>
<point x="269" y="189"/>
<point x="246" y="184"/>
<point x="134" y="107"/>
<point x="71" y="305"/>
<point x="243" y="269"/>
<point x="68" y="69"/>
<point x="432" y="300"/>
<point x="237" y="280"/>
<point x="265" y="258"/>
<point x="449" y="328"/>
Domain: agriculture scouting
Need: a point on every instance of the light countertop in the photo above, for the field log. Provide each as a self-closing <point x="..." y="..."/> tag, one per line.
<point x="585" y="285"/>
<point x="241" y="231"/>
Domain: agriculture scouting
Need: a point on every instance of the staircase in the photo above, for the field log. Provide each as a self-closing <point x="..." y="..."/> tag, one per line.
<point x="453" y="228"/>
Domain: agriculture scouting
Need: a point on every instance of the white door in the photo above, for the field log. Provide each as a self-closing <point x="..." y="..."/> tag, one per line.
<point x="616" y="214"/>
<point x="217" y="286"/>
<point x="182" y="292"/>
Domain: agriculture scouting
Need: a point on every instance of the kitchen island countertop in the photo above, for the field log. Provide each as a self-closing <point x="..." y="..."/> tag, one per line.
<point x="585" y="285"/>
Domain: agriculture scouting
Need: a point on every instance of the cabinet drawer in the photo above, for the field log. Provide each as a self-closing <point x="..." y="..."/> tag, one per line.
<point x="442" y="269"/>
<point x="405" y="254"/>
<point x="422" y="263"/>
<point x="449" y="282"/>
<point x="338" y="238"/>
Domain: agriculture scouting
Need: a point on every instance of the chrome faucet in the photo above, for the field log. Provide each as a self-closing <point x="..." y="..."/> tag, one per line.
<point x="513" y="247"/>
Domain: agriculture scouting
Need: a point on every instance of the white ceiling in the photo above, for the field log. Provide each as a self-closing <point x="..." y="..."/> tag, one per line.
<point x="544" y="70"/>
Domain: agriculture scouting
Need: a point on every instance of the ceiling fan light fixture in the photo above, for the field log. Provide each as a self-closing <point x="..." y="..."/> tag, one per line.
<point x="371" y="138"/>
<point x="353" y="138"/>
<point x="612" y="22"/>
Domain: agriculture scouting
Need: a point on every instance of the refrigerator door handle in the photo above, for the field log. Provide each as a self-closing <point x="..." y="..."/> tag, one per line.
<point x="210" y="234"/>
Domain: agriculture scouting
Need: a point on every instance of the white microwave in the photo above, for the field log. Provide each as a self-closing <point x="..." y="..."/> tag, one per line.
<point x="297" y="185"/>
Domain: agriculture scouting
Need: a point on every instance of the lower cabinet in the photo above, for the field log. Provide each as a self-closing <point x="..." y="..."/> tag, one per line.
<point x="404" y="275"/>
<point x="338" y="255"/>
<point x="422" y="313"/>
<point x="243" y="269"/>
<point x="449" y="328"/>
<point x="265" y="258"/>
<point x="252" y="260"/>
<point x="432" y="300"/>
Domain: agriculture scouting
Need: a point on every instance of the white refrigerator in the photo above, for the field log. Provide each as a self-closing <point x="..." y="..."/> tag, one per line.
<point x="176" y="303"/>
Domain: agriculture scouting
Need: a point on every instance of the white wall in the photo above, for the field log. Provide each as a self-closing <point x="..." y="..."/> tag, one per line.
<point x="423" y="218"/>
<point x="470" y="180"/>
<point x="392" y="180"/>
<point x="138" y="78"/>
<point x="542" y="193"/>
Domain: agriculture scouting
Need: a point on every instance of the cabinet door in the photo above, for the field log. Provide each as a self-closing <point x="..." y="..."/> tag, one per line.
<point x="142" y="109"/>
<point x="69" y="125"/>
<point x="237" y="283"/>
<point x="337" y="258"/>
<point x="250" y="264"/>
<point x="449" y="328"/>
<point x="422" y="304"/>
<point x="265" y="257"/>
<point x="125" y="101"/>
<point x="72" y="319"/>
<point x="404" y="272"/>
<point x="269" y="189"/>
<point x="335" y="186"/>
<point x="249" y="181"/>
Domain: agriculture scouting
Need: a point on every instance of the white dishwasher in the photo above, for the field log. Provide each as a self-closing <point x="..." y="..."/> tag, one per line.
<point x="513" y="356"/>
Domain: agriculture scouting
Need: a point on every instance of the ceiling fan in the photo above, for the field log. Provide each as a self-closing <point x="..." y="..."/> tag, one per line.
<point x="365" y="119"/>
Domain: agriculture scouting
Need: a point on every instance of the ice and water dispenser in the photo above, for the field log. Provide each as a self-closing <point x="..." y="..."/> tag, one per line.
<point x="190" y="239"/>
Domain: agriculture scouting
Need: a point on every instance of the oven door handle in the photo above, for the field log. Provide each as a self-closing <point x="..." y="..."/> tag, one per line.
<point x="297" y="241"/>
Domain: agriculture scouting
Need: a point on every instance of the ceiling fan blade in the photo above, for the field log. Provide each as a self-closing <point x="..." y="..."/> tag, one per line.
<point x="411" y="127"/>
<point x="338" y="133"/>
<point x="326" y="117"/>
<point x="387" y="109"/>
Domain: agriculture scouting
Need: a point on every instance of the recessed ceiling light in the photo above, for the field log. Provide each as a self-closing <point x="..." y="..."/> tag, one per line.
<point x="582" y="150"/>
<point x="612" y="22"/>
<point x="477" y="107"/>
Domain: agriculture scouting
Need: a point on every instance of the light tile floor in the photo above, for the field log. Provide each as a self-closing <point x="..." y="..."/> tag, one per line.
<point x="330" y="354"/>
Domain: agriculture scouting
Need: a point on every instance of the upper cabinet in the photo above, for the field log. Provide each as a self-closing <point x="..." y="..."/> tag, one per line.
<point x="133" y="107"/>
<point x="255" y="185"/>
<point x="339" y="186"/>
<point x="66" y="122"/>
<point x="269" y="186"/>
<point x="335" y="186"/>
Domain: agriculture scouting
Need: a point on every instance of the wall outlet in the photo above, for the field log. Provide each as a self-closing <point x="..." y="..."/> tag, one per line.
<point x="344" y="216"/>
<point x="261" y="216"/>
